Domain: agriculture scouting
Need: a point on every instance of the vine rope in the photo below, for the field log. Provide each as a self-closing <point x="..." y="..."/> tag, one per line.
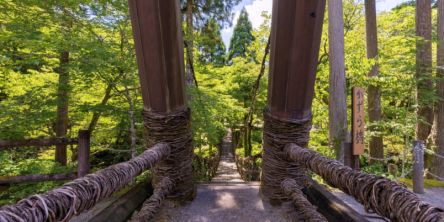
<point x="276" y="167"/>
<point x="151" y="206"/>
<point x="303" y="206"/>
<point x="173" y="128"/>
<point x="81" y="194"/>
<point x="378" y="194"/>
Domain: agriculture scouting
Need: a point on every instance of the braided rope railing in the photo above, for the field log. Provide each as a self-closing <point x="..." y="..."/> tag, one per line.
<point x="151" y="206"/>
<point x="79" y="195"/>
<point x="303" y="206"/>
<point x="378" y="194"/>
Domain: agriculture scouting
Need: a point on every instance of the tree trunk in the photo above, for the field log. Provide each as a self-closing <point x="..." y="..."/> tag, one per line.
<point x="190" y="43"/>
<point x="337" y="85"/>
<point x="248" y="123"/>
<point x="61" y="127"/>
<point x="96" y="115"/>
<point x="374" y="93"/>
<point x="424" y="68"/>
<point x="438" y="165"/>
<point x="247" y="142"/>
<point x="132" y="129"/>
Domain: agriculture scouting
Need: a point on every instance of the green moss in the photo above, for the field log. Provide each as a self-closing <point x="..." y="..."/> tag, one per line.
<point x="428" y="183"/>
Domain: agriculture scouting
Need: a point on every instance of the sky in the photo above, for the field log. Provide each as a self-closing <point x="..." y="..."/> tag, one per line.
<point x="256" y="7"/>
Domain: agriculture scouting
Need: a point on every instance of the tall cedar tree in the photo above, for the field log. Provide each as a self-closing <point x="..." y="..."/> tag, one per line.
<point x="189" y="38"/>
<point x="374" y="93"/>
<point x="242" y="37"/>
<point x="197" y="14"/>
<point x="438" y="165"/>
<point x="424" y="68"/>
<point x="337" y="85"/>
<point x="210" y="44"/>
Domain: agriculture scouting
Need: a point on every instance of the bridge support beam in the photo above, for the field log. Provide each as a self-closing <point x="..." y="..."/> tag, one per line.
<point x="159" y="50"/>
<point x="295" y="41"/>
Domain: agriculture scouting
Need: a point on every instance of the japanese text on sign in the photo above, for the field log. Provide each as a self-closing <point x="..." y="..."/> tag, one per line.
<point x="358" y="117"/>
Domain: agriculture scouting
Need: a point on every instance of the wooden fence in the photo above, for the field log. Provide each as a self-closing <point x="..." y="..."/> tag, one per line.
<point x="83" y="152"/>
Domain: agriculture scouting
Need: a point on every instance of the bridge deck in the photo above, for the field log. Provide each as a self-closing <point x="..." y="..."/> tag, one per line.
<point x="226" y="198"/>
<point x="226" y="171"/>
<point x="234" y="202"/>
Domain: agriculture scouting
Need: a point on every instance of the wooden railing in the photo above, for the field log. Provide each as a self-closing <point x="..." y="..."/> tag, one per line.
<point x="9" y="144"/>
<point x="83" y="152"/>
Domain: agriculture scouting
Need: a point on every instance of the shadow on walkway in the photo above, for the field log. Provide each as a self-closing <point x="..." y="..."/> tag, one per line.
<point x="226" y="198"/>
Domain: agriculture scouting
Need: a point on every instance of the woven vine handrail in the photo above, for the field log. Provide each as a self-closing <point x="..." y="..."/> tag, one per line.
<point x="378" y="194"/>
<point x="151" y="206"/>
<point x="305" y="208"/>
<point x="79" y="195"/>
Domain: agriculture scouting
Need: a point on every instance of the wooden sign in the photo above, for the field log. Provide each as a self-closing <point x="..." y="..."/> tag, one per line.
<point x="358" y="121"/>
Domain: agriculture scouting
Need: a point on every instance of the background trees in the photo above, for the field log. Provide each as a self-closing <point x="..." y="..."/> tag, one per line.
<point x="198" y="13"/>
<point x="424" y="69"/>
<point x="211" y="48"/>
<point x="438" y="163"/>
<point x="102" y="92"/>
<point x="242" y="37"/>
<point x="337" y="87"/>
<point x="374" y="93"/>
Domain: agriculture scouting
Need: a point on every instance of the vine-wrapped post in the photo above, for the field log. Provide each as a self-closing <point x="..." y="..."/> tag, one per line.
<point x="295" y="40"/>
<point x="159" y="50"/>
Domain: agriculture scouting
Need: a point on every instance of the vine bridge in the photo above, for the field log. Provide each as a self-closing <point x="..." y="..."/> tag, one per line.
<point x="285" y="193"/>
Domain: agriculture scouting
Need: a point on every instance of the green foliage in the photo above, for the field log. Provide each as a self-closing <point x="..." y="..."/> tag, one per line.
<point x="12" y="164"/>
<point x="224" y="94"/>
<point x="32" y="34"/>
<point x="101" y="56"/>
<point x="205" y="10"/>
<point x="242" y="38"/>
<point x="210" y="44"/>
<point x="397" y="47"/>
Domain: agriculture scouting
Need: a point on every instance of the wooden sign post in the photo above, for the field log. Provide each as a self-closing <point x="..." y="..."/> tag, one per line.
<point x="358" y="129"/>
<point x="358" y="118"/>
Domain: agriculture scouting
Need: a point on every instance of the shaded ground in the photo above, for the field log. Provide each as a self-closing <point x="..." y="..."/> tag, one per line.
<point x="234" y="202"/>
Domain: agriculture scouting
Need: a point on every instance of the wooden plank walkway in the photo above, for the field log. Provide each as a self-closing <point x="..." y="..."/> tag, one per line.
<point x="227" y="172"/>
<point x="227" y="198"/>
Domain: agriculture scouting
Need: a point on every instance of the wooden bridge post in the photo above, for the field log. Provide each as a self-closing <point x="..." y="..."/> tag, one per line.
<point x="159" y="50"/>
<point x="295" y="40"/>
<point x="418" y="166"/>
<point x="83" y="150"/>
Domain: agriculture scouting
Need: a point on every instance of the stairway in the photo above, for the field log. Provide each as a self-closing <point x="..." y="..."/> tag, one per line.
<point x="226" y="198"/>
